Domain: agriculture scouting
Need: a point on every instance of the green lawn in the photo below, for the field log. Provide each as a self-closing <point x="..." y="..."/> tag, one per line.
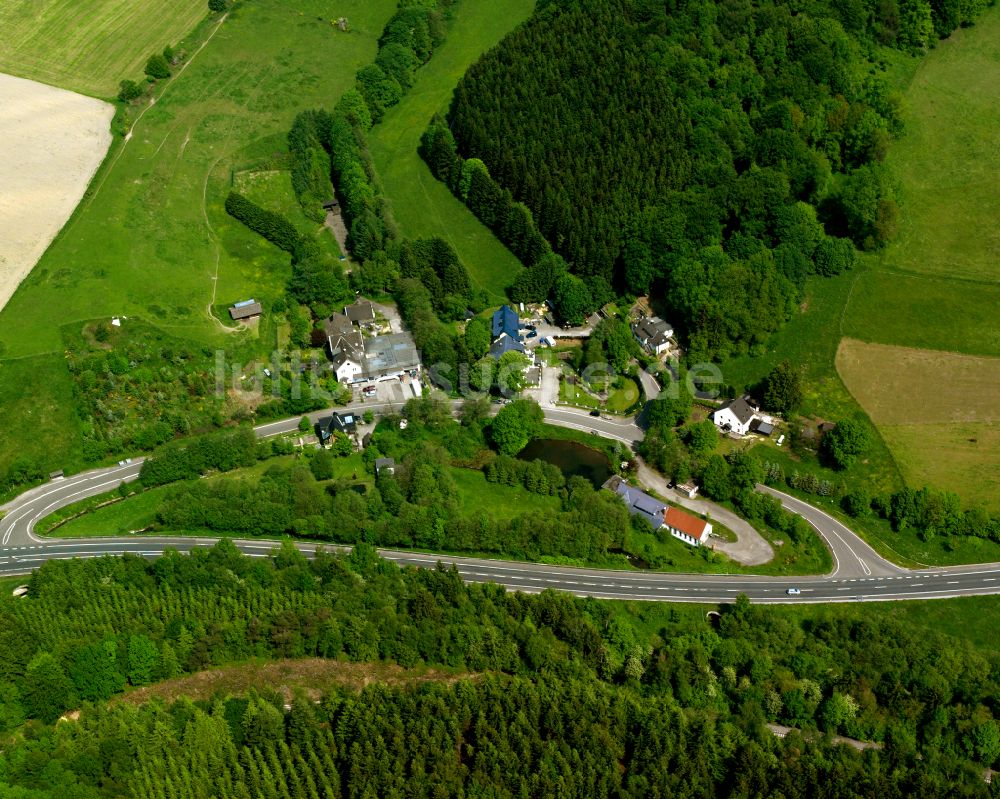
<point x="620" y="400"/>
<point x="151" y="238"/>
<point x="947" y="162"/>
<point x="499" y="501"/>
<point x="89" y="48"/>
<point x="135" y="513"/>
<point x="36" y="395"/>
<point x="421" y="205"/>
<point x="891" y="307"/>
<point x="272" y="189"/>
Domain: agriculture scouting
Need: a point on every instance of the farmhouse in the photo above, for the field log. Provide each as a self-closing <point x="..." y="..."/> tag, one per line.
<point x="653" y="334"/>
<point x="638" y="502"/>
<point x="689" y="529"/>
<point x="248" y="309"/>
<point x="735" y="416"/>
<point x="506" y="337"/>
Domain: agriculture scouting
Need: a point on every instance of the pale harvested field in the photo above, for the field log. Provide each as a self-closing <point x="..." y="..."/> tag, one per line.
<point x="52" y="142"/>
<point x="89" y="47"/>
<point x="939" y="413"/>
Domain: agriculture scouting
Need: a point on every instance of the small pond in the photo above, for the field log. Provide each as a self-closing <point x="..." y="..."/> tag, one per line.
<point x="572" y="458"/>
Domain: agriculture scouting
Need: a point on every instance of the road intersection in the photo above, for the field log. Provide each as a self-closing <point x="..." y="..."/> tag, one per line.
<point x="859" y="574"/>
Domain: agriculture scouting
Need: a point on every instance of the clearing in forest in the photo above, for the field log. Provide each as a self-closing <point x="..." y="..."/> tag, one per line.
<point x="313" y="676"/>
<point x="53" y="142"/>
<point x="422" y="205"/>
<point x="937" y="411"/>
<point x="89" y="48"/>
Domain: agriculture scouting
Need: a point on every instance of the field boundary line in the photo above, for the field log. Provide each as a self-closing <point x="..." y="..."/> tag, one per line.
<point x="152" y="102"/>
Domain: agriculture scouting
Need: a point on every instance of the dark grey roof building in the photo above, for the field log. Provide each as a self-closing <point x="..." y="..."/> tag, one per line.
<point x="248" y="309"/>
<point x="638" y="502"/>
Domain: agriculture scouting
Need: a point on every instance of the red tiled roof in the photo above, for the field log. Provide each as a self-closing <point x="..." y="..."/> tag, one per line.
<point x="685" y="523"/>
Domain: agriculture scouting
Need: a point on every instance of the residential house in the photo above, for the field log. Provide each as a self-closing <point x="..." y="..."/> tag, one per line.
<point x="638" y="502"/>
<point x="346" y="423"/>
<point x="735" y="416"/>
<point x="653" y="334"/>
<point x="243" y="311"/>
<point x="356" y="358"/>
<point x="689" y="529"/>
<point x="505" y="320"/>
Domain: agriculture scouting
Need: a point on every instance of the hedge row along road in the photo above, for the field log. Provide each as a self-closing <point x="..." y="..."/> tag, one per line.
<point x="859" y="573"/>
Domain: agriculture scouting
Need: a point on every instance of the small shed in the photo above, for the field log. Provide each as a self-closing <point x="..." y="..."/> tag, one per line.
<point x="385" y="466"/>
<point x="247" y="309"/>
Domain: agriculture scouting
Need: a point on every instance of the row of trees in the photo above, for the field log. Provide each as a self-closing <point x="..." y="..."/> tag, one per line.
<point x="577" y="692"/>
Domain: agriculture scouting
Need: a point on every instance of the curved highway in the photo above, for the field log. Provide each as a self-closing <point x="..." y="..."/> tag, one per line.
<point x="859" y="574"/>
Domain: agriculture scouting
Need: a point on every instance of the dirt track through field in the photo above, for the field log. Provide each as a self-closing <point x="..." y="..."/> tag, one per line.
<point x="53" y="141"/>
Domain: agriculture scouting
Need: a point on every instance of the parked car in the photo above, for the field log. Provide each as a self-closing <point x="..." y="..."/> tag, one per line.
<point x="532" y="334"/>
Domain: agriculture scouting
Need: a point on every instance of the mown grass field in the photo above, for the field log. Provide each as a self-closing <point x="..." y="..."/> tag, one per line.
<point x="947" y="162"/>
<point x="918" y="311"/>
<point x="151" y="237"/>
<point x="422" y="205"/>
<point x="89" y="48"/>
<point x="937" y="285"/>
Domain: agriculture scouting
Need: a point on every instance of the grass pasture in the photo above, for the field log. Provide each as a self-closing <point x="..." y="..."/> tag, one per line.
<point x="936" y="410"/>
<point x="89" y="48"/>
<point x="421" y="205"/>
<point x="151" y="239"/>
<point x="948" y="159"/>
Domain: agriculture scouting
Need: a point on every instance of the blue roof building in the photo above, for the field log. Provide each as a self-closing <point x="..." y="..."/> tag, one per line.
<point x="505" y="320"/>
<point x="505" y="344"/>
<point x="639" y="503"/>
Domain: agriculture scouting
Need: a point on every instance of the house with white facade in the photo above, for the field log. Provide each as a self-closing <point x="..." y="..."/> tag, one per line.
<point x="687" y="528"/>
<point x="653" y="334"/>
<point x="735" y="416"/>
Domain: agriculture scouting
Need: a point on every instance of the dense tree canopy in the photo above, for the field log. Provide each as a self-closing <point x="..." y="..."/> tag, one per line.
<point x="714" y="153"/>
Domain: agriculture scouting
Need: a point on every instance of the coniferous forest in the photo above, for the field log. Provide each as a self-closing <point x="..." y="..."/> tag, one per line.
<point x="715" y="152"/>
<point x="550" y="695"/>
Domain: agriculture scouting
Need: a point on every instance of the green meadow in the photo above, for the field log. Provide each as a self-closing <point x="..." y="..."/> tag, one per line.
<point x="151" y="238"/>
<point x="421" y="205"/>
<point x="90" y="48"/>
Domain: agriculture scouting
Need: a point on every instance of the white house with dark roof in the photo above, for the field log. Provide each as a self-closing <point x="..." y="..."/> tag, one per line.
<point x="653" y="334"/>
<point x="735" y="416"/>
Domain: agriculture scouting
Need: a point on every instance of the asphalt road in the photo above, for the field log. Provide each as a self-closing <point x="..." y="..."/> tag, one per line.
<point x="859" y="574"/>
<point x="602" y="584"/>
